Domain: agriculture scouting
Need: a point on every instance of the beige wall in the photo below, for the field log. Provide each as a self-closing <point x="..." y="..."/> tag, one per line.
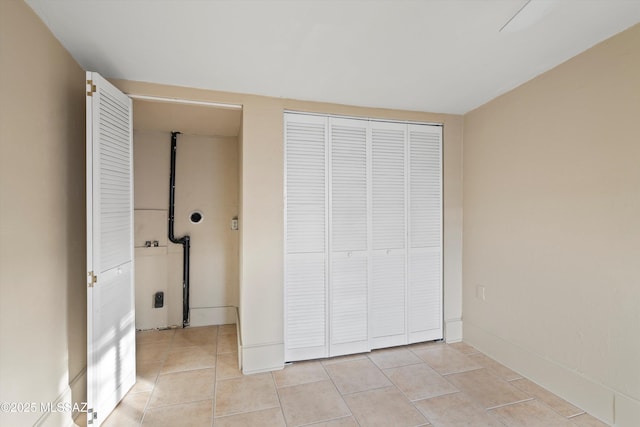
<point x="552" y="229"/>
<point x="42" y="219"/>
<point x="261" y="212"/>
<point x="207" y="181"/>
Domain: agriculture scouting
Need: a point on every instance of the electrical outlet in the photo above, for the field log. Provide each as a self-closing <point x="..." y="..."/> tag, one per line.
<point x="158" y="300"/>
<point x="480" y="292"/>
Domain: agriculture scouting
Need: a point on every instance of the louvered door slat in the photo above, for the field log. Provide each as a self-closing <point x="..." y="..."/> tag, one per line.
<point x="388" y="192"/>
<point x="388" y="189"/>
<point x="305" y="185"/>
<point x="388" y="293"/>
<point x="349" y="309"/>
<point x="305" y="306"/>
<point x="425" y="295"/>
<point x="425" y="233"/>
<point x="349" y="237"/>
<point x="305" y="237"/>
<point x="425" y="186"/>
<point x="348" y="141"/>
<point x="115" y="172"/>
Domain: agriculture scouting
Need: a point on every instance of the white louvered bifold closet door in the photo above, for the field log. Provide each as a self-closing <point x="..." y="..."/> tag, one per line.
<point x="425" y="233"/>
<point x="305" y="237"/>
<point x="349" y="245"/>
<point x="389" y="234"/>
<point x="363" y="235"/>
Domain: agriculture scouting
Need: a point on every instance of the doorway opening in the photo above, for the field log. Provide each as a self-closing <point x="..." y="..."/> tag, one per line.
<point x="206" y="183"/>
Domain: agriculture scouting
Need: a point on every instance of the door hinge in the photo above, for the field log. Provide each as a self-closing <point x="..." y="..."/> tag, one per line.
<point x="91" y="88"/>
<point x="91" y="416"/>
<point x="92" y="279"/>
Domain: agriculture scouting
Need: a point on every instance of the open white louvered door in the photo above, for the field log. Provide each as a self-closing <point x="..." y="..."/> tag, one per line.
<point x="111" y="369"/>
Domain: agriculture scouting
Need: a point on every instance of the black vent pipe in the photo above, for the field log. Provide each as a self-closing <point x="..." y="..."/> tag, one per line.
<point x="184" y="240"/>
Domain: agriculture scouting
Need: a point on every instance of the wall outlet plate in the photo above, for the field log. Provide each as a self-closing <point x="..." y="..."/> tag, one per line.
<point x="158" y="300"/>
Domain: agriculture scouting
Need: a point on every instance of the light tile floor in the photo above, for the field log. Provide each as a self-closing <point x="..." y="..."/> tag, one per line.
<point x="190" y="377"/>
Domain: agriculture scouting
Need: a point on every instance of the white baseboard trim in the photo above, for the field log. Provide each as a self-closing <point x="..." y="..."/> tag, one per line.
<point x="262" y="358"/>
<point x="239" y="336"/>
<point x="57" y="418"/>
<point x="627" y="411"/>
<point x="74" y="393"/>
<point x="595" y="398"/>
<point x="453" y="330"/>
<point x="78" y="387"/>
<point x="207" y="316"/>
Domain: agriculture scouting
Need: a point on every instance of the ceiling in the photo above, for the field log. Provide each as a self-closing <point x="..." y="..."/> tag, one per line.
<point x="443" y="56"/>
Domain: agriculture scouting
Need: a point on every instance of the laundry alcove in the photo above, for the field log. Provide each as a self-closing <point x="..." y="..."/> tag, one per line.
<point x="206" y="182"/>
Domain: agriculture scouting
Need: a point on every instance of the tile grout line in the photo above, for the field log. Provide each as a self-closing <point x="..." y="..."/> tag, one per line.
<point x="370" y="389"/>
<point x="433" y="397"/>
<point x="155" y="382"/>
<point x="162" y="363"/>
<point x="510" y="403"/>
<point x="275" y="385"/>
<point x="463" y="372"/>
<point x="328" y="421"/>
<point x="297" y="384"/>
<point x="396" y="386"/>
<point x="338" y="391"/>
<point x="466" y="356"/>
<point x="233" y="414"/>
<point x="180" y="403"/>
<point x="413" y="402"/>
<point x="215" y="384"/>
<point x="545" y="403"/>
